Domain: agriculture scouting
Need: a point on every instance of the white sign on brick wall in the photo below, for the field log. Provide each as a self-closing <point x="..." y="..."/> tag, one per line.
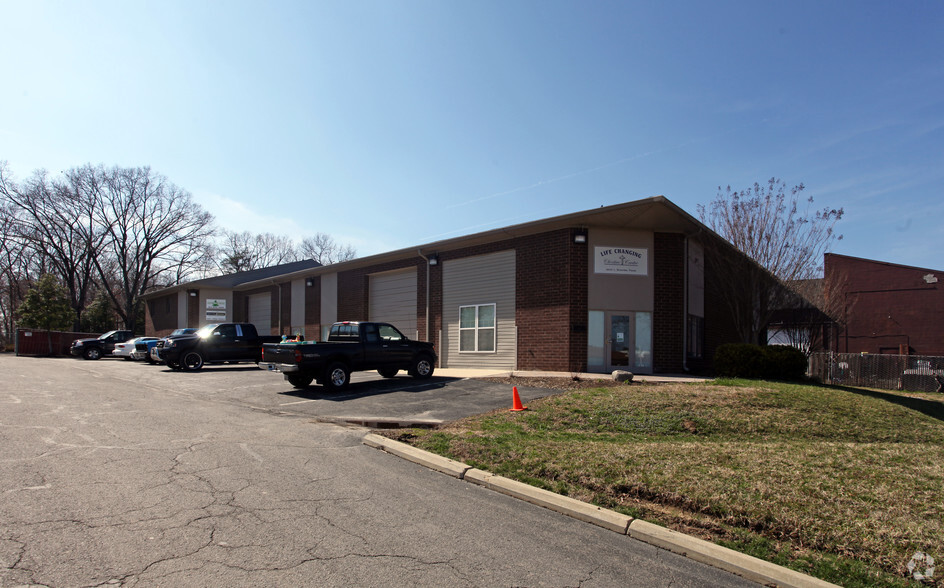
<point x="621" y="260"/>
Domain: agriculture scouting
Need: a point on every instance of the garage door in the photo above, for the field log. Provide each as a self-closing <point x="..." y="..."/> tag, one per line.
<point x="260" y="312"/>
<point x="393" y="300"/>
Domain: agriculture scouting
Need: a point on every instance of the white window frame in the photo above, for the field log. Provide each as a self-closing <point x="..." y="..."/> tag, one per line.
<point x="477" y="329"/>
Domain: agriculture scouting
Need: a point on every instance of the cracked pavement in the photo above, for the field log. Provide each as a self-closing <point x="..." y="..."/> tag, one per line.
<point x="115" y="473"/>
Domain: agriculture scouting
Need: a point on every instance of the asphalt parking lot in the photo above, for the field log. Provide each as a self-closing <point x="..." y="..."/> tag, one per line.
<point x="370" y="400"/>
<point x="117" y="473"/>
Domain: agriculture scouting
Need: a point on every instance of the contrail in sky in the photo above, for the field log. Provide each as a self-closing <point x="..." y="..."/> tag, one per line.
<point x="566" y="177"/>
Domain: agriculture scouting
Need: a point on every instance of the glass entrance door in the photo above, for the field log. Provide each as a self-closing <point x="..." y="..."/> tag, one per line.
<point x="619" y="340"/>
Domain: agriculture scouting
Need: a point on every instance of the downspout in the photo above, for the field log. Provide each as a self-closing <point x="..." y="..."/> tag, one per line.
<point x="426" y="259"/>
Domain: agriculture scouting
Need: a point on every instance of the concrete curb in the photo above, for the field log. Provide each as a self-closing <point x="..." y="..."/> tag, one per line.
<point x="746" y="566"/>
<point x="408" y="452"/>
<point x="577" y="509"/>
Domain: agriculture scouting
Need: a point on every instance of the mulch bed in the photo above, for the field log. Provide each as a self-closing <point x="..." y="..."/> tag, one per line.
<point x="556" y="383"/>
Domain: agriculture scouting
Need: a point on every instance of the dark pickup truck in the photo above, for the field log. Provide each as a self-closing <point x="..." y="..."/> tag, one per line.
<point x="100" y="346"/>
<point x="215" y="343"/>
<point x="351" y="347"/>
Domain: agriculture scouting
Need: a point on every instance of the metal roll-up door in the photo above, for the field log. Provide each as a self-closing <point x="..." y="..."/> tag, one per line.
<point x="260" y="312"/>
<point x="393" y="300"/>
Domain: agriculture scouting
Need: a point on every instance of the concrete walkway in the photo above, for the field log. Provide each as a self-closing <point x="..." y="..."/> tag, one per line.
<point x="485" y="373"/>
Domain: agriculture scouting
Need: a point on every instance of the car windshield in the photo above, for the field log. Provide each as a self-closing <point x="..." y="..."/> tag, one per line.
<point x="107" y="335"/>
<point x="206" y="330"/>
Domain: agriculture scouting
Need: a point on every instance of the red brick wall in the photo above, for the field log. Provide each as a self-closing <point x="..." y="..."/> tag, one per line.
<point x="551" y="302"/>
<point x="668" y="317"/>
<point x="160" y="315"/>
<point x="889" y="305"/>
<point x="435" y="306"/>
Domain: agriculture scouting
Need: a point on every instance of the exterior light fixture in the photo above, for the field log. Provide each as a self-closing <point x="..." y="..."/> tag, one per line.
<point x="580" y="238"/>
<point x="192" y="292"/>
<point x="433" y="260"/>
<point x="309" y="282"/>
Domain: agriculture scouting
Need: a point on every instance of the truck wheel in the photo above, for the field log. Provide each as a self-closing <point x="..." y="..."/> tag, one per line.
<point x="192" y="361"/>
<point x="92" y="353"/>
<point x="388" y="372"/>
<point x="336" y="377"/>
<point x="299" y="380"/>
<point x="422" y="367"/>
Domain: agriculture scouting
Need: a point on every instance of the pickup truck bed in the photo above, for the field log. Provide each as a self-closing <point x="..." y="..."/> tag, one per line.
<point x="351" y="347"/>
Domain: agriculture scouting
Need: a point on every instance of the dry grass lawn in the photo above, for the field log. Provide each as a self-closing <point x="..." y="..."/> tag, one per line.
<point x="845" y="484"/>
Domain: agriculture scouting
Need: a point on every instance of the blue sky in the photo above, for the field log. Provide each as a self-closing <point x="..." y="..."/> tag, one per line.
<point x="389" y="124"/>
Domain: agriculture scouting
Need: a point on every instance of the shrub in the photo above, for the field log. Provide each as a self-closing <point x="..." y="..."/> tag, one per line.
<point x="785" y="362"/>
<point x="772" y="362"/>
<point x="739" y="360"/>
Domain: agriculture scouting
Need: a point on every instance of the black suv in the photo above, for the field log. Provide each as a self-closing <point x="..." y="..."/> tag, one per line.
<point x="103" y="345"/>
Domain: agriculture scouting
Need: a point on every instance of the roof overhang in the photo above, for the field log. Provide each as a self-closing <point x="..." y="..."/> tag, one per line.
<point x="657" y="213"/>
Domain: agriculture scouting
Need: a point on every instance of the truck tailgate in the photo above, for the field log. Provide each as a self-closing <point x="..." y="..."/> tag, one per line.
<point x="276" y="353"/>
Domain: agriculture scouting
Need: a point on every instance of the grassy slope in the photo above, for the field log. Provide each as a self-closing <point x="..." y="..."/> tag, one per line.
<point x="845" y="484"/>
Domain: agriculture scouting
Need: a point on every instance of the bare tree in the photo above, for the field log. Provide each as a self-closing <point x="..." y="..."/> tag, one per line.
<point x="13" y="274"/>
<point x="325" y="250"/>
<point x="820" y="307"/>
<point x="786" y="240"/>
<point x="247" y="251"/>
<point x="151" y="225"/>
<point x="55" y="220"/>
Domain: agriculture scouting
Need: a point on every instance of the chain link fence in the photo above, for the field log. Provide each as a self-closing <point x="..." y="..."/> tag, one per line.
<point x="914" y="373"/>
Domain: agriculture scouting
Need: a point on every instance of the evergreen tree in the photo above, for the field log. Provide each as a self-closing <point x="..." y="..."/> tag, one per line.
<point x="47" y="307"/>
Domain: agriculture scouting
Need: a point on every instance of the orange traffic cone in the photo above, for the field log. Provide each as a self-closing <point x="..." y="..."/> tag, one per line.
<point x="516" y="401"/>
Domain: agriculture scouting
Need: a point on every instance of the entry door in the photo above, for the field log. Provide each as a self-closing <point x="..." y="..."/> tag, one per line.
<point x="620" y="345"/>
<point x="628" y="341"/>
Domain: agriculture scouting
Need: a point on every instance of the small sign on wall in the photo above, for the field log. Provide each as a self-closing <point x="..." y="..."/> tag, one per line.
<point x="216" y="304"/>
<point x="621" y="260"/>
<point x="216" y="316"/>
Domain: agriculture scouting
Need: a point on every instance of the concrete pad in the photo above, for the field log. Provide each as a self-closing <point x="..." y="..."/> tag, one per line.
<point x="434" y="462"/>
<point x="577" y="509"/>
<point x="754" y="569"/>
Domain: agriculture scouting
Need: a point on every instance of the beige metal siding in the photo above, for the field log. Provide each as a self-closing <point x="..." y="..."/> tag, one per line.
<point x="393" y="300"/>
<point x="483" y="279"/>
<point x="260" y="312"/>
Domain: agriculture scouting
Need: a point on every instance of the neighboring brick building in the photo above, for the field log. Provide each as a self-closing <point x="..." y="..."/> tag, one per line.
<point x="619" y="287"/>
<point x="889" y="308"/>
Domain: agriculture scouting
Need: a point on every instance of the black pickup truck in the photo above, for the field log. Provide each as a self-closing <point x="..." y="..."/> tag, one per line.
<point x="100" y="346"/>
<point x="351" y="347"/>
<point x="214" y="343"/>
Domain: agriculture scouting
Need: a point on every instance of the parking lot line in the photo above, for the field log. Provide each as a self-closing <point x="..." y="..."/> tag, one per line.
<point x="298" y="402"/>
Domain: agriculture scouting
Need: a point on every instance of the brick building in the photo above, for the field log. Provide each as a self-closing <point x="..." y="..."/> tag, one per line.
<point x="619" y="287"/>
<point x="888" y="308"/>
